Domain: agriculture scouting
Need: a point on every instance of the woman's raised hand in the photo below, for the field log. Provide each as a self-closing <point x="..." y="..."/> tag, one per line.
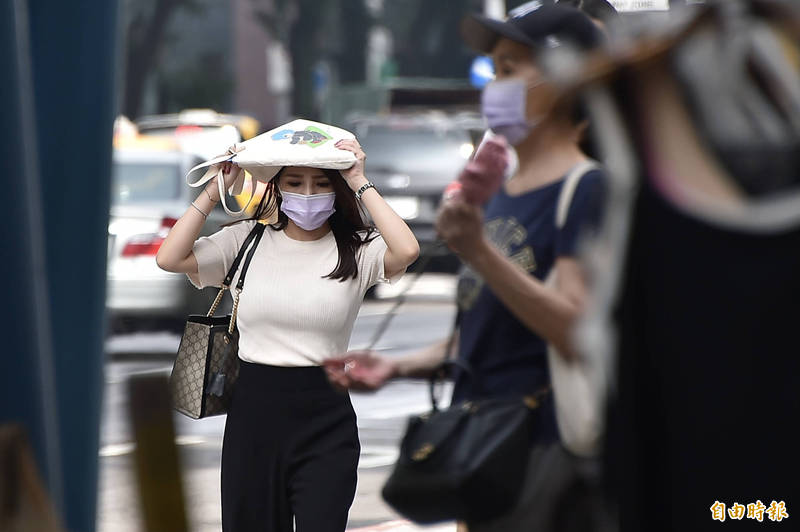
<point x="229" y="176"/>
<point x="354" y="175"/>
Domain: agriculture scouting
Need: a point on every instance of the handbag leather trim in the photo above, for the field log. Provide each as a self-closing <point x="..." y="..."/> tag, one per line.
<point x="207" y="374"/>
<point x="213" y="321"/>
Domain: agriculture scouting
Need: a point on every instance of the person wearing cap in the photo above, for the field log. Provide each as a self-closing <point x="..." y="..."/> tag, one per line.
<point x="512" y="245"/>
<point x="291" y="449"/>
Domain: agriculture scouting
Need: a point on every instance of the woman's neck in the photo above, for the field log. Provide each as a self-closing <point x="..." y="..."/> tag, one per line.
<point x="296" y="232"/>
<point x="545" y="156"/>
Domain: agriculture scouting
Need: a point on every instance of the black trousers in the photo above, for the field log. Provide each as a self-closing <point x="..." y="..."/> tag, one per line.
<point x="290" y="452"/>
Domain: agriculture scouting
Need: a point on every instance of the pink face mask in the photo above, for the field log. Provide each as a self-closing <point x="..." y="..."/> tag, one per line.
<point x="308" y="212"/>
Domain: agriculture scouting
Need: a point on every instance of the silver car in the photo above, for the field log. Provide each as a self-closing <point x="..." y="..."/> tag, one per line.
<point x="149" y="194"/>
<point x="411" y="157"/>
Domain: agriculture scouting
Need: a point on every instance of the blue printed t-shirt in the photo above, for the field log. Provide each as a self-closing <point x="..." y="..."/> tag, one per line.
<point x="507" y="357"/>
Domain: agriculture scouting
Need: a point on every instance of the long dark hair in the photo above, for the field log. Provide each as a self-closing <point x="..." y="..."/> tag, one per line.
<point x="347" y="222"/>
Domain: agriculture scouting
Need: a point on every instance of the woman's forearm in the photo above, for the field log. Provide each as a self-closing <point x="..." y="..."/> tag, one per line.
<point x="402" y="247"/>
<point x="400" y="241"/>
<point x="175" y="253"/>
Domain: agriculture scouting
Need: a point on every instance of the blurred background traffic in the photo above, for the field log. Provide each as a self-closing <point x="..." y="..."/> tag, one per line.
<point x="199" y="75"/>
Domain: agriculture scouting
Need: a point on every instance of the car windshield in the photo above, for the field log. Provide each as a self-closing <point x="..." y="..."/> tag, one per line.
<point x="411" y="150"/>
<point x="143" y="182"/>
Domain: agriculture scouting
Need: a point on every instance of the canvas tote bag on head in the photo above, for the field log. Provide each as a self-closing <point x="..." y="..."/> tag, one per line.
<point x="298" y="143"/>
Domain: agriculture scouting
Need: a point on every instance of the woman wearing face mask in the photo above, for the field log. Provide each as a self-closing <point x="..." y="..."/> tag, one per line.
<point x="291" y="447"/>
<point x="511" y="245"/>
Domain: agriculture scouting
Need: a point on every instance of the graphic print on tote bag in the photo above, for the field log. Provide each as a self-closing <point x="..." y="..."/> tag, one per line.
<point x="310" y="136"/>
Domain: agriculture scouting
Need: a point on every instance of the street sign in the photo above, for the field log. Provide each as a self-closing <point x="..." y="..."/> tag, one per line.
<point x="481" y="72"/>
<point x="279" y="69"/>
<point x="640" y="5"/>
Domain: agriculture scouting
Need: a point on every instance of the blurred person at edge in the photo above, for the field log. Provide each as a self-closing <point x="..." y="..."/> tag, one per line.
<point x="291" y="449"/>
<point x="507" y="312"/>
<point x="706" y="194"/>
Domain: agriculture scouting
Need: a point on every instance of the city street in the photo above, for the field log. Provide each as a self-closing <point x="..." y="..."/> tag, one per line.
<point x="381" y="420"/>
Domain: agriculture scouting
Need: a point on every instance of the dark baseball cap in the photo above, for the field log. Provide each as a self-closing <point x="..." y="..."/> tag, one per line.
<point x="536" y="24"/>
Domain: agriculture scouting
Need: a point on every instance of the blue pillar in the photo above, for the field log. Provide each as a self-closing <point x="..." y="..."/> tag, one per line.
<point x="56" y="148"/>
<point x="26" y="364"/>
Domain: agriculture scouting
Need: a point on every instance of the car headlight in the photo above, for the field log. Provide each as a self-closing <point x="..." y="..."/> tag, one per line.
<point x="406" y="207"/>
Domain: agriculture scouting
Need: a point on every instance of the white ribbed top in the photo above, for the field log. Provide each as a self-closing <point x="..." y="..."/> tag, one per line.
<point x="289" y="314"/>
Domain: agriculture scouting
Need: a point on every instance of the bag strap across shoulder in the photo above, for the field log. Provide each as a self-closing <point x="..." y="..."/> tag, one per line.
<point x="255" y="235"/>
<point x="568" y="189"/>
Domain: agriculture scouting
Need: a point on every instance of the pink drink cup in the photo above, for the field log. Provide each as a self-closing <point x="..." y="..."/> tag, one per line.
<point x="483" y="175"/>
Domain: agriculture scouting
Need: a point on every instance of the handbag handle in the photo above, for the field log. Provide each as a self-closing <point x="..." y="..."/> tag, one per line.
<point x="441" y="372"/>
<point x="255" y="235"/>
<point x="240" y="283"/>
<point x="445" y="368"/>
<point x="401" y="297"/>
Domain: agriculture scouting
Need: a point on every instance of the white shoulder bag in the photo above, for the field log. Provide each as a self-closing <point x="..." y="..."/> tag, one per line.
<point x="576" y="387"/>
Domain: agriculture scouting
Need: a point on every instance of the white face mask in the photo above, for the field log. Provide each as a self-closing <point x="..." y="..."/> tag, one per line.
<point x="308" y="212"/>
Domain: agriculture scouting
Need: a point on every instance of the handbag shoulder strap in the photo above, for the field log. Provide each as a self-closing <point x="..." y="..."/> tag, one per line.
<point x="255" y="235"/>
<point x="568" y="189"/>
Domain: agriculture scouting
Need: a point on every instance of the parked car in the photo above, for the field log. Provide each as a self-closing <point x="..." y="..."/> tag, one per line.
<point x="189" y="119"/>
<point x="200" y="131"/>
<point x="411" y="157"/>
<point x="149" y="194"/>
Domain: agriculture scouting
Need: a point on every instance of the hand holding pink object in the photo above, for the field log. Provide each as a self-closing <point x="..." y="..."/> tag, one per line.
<point x="483" y="175"/>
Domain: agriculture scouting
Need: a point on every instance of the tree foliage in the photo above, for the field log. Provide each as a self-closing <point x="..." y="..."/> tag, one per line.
<point x="334" y="31"/>
<point x="146" y="27"/>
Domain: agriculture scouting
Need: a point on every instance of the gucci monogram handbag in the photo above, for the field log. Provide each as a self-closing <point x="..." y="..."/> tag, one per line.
<point x="207" y="363"/>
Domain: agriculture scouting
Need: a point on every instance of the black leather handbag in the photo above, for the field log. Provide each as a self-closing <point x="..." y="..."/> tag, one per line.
<point x="207" y="364"/>
<point x="466" y="462"/>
